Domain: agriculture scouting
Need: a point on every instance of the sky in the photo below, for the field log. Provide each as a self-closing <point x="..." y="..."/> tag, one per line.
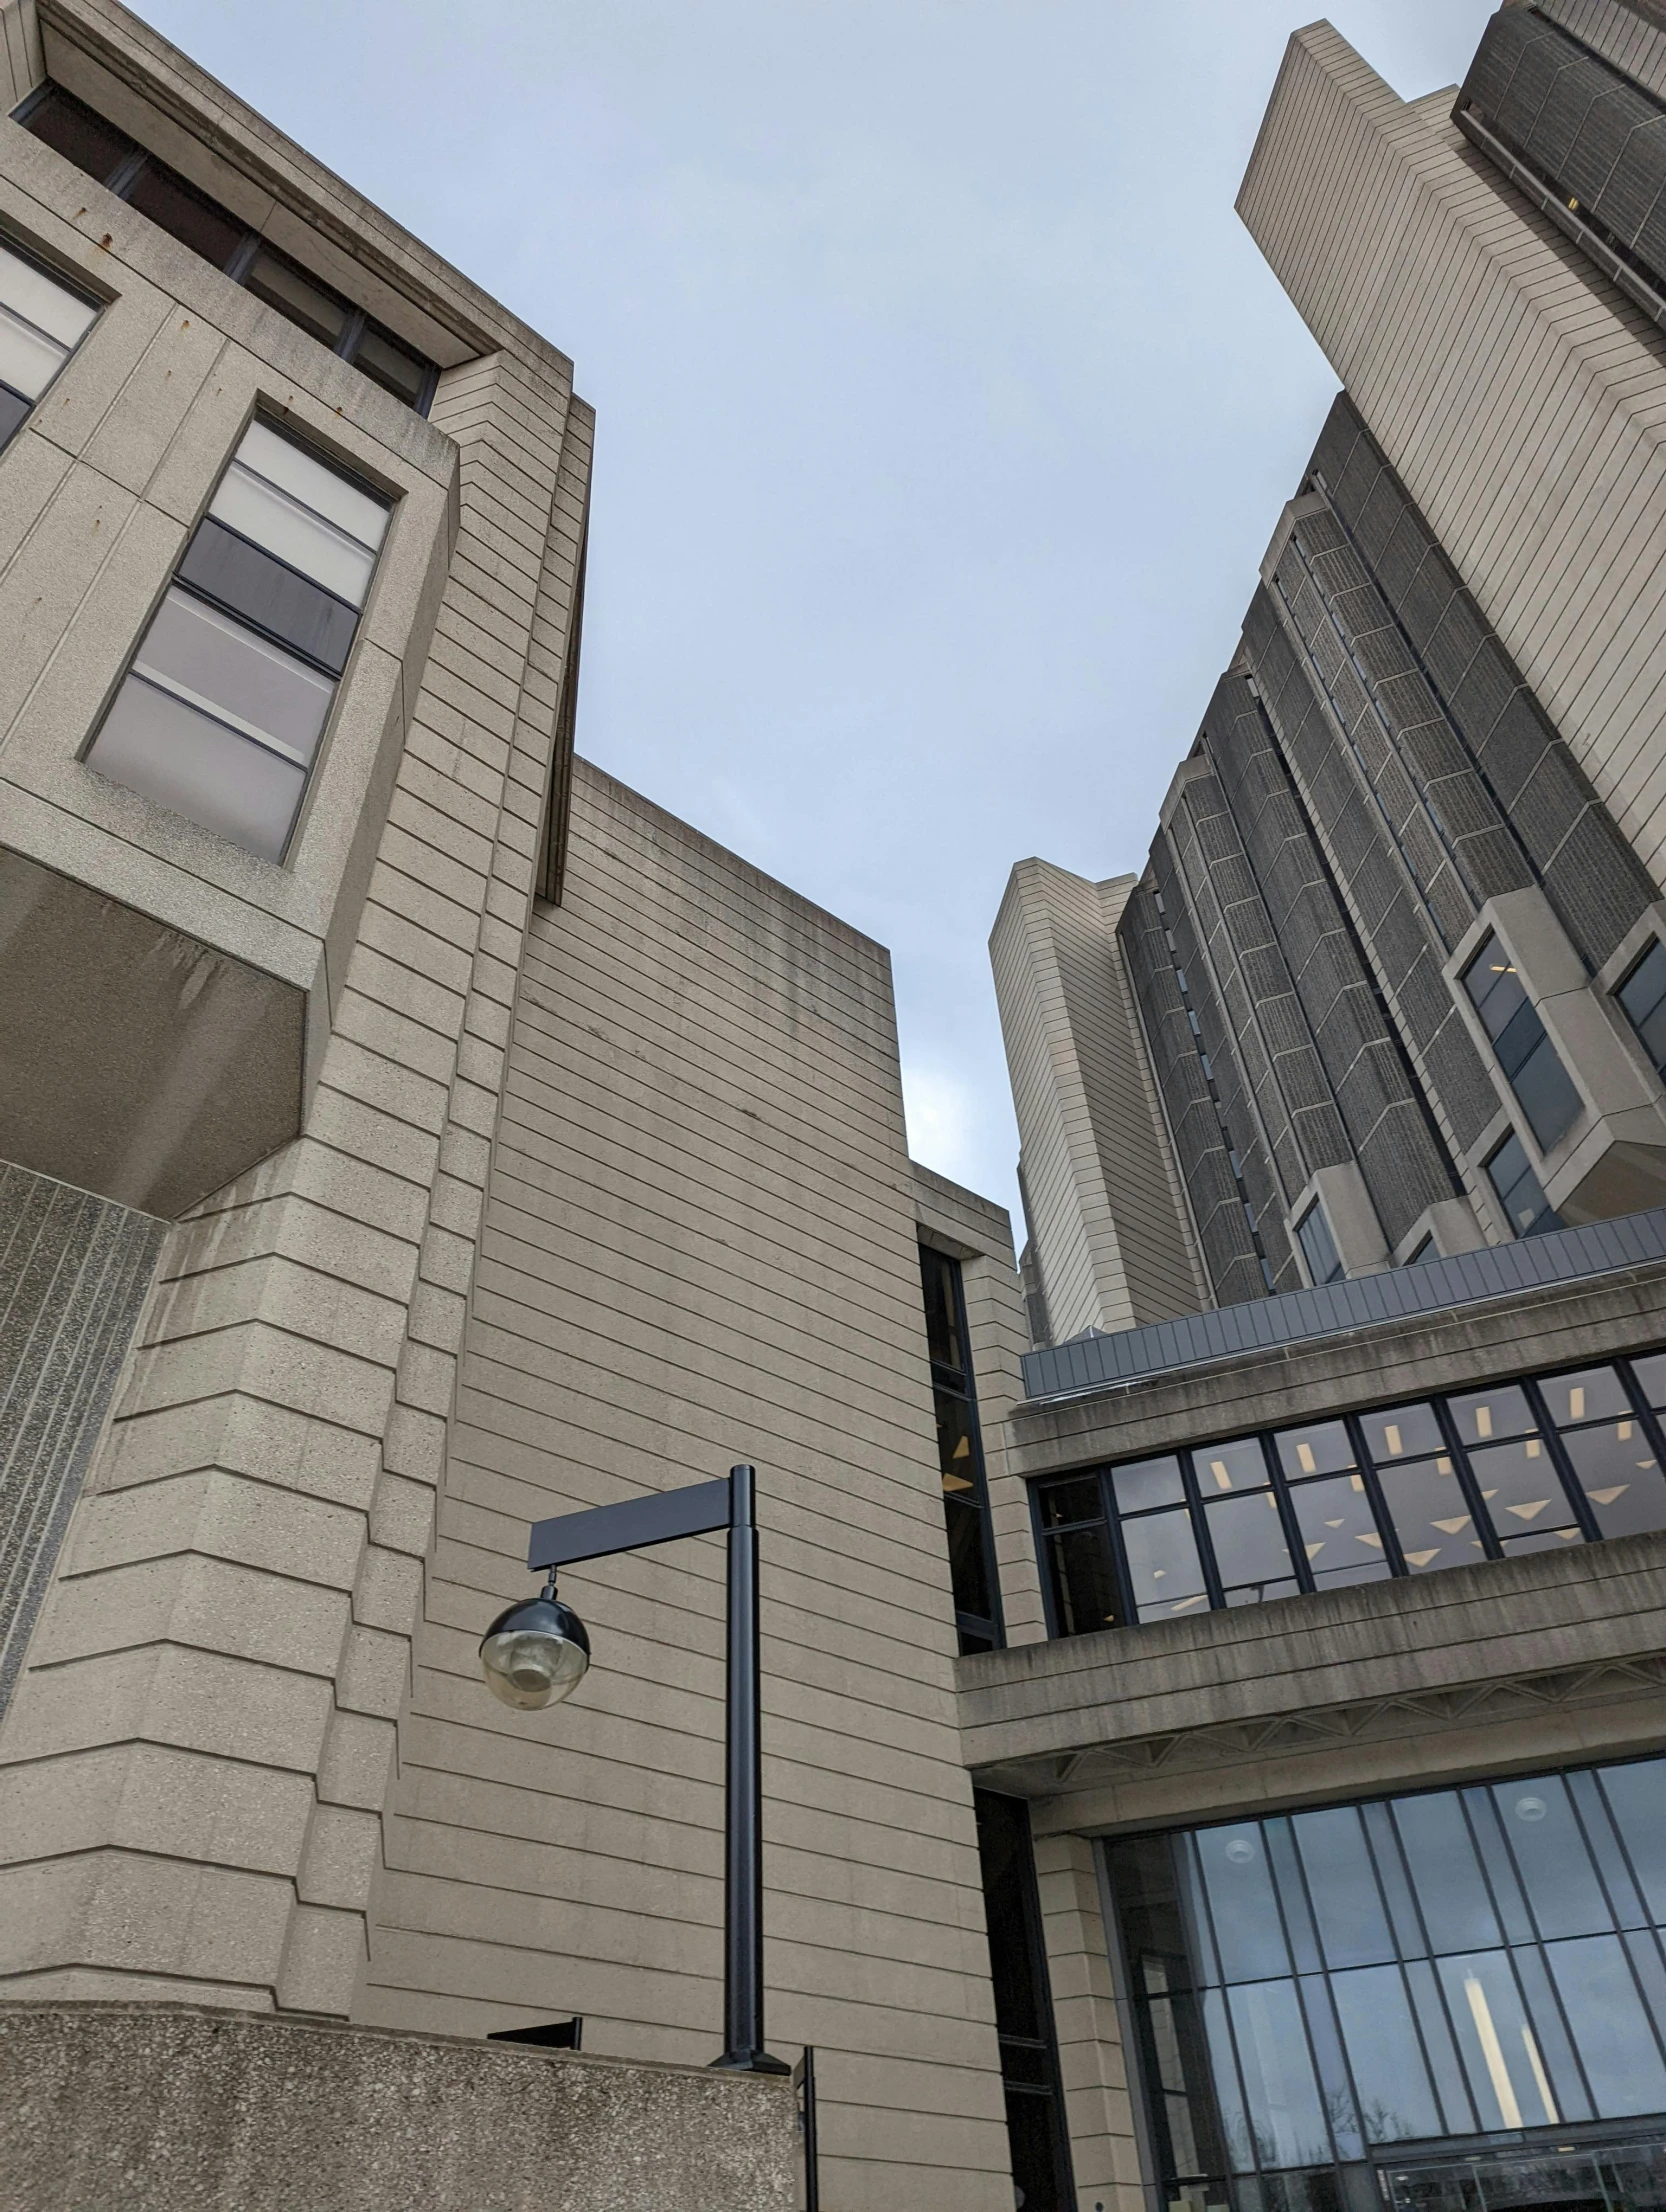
<point x="945" y="407"/>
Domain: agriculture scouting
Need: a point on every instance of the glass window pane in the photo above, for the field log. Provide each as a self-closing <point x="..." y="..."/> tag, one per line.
<point x="1651" y="1375"/>
<point x="393" y="366"/>
<point x="1522" y="1491"/>
<point x="1339" y="1531"/>
<point x="1636" y="1796"/>
<point x="1397" y="2098"/>
<point x="1313" y="1232"/>
<point x="1502" y="2057"/>
<point x="1242" y="1906"/>
<point x="1353" y="1928"/>
<point x="1615" y="1468"/>
<point x="186" y="215"/>
<point x="1237" y="1466"/>
<point x="1163" y="1567"/>
<point x="322" y="489"/>
<point x="29" y="359"/>
<point x="271" y="518"/>
<point x="43" y="303"/>
<point x="1063" y="1503"/>
<point x="1402" y="1432"/>
<point x="1250" y="1551"/>
<point x="1320" y="1451"/>
<point x="1494" y="987"/>
<point x="1430" y="1515"/>
<point x="155" y="744"/>
<point x="954" y="1441"/>
<point x="1519" y="1190"/>
<point x="1590" y="1395"/>
<point x="192" y="648"/>
<point x="1148" y="1482"/>
<point x="1610" y="2029"/>
<point x="1489" y="1414"/>
<point x="968" y="1561"/>
<point x="250" y="583"/>
<point x="1645" y="987"/>
<point x="1285" y="2106"/>
<point x="14" y="413"/>
<point x="1084" y="1581"/>
<point x="1551" y="1856"/>
<point x="1445" y="1874"/>
<point x="281" y="285"/>
<point x="939" y="1274"/>
<point x="1548" y="1094"/>
<point x="74" y="131"/>
<point x="1228" y="2096"/>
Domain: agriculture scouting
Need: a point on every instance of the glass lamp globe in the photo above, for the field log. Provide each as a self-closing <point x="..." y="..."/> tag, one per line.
<point x="535" y="1654"/>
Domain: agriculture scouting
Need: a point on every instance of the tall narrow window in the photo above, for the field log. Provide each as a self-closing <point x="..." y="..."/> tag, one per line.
<point x="1519" y="1190"/>
<point x="41" y="324"/>
<point x="222" y="712"/>
<point x="1530" y="1062"/>
<point x="1643" y="995"/>
<point x="1324" y="1262"/>
<point x="960" y="1454"/>
<point x="1036" y="2132"/>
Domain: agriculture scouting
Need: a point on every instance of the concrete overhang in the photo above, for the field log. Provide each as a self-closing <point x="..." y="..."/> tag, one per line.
<point x="136" y="1061"/>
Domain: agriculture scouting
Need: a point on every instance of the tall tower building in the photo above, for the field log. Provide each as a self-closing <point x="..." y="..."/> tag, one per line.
<point x="1342" y="1725"/>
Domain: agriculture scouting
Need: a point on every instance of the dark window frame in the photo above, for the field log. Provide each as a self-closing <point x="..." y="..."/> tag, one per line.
<point x="1532" y="1383"/>
<point x="977" y="1631"/>
<point x="77" y="288"/>
<point x="138" y="163"/>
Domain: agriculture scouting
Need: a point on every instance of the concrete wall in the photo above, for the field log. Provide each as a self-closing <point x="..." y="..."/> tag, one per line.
<point x="264" y="2115"/>
<point x="198" y="1750"/>
<point x="700" y="1246"/>
<point x="1112" y="1240"/>
<point x="1517" y="394"/>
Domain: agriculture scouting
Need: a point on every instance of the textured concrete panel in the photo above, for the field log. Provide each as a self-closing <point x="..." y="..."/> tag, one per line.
<point x="263" y="2115"/>
<point x="74" y="1270"/>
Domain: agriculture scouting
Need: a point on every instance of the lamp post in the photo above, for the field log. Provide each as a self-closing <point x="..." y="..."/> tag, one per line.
<point x="537" y="1652"/>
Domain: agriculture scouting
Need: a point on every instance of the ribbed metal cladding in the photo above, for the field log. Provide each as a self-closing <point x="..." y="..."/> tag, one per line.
<point x="74" y="1270"/>
<point x="1498" y="1271"/>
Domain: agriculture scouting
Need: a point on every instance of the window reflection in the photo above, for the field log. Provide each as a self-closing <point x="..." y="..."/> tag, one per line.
<point x="1440" y="1965"/>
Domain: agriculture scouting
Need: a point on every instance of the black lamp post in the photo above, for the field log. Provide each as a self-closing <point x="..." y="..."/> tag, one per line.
<point x="538" y="1651"/>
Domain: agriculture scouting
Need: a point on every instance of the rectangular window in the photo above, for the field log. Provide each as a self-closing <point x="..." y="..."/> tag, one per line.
<point x="1313" y="1990"/>
<point x="1037" y="2136"/>
<point x="1643" y="996"/>
<point x="1531" y="1065"/>
<point x="1404" y="1489"/>
<point x="222" y="711"/>
<point x="960" y="1454"/>
<point x="1519" y="1190"/>
<point x="101" y="151"/>
<point x="41" y="323"/>
<point x="1324" y="1262"/>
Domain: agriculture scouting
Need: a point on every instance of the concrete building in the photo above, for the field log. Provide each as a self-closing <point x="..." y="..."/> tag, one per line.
<point x="1342" y="1734"/>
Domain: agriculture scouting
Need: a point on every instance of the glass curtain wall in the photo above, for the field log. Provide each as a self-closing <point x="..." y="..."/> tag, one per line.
<point x="960" y="1454"/>
<point x="1316" y="1993"/>
<point x="1402" y="1490"/>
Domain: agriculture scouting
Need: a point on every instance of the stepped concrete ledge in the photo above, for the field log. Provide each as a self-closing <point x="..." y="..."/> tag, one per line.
<point x="179" y="2108"/>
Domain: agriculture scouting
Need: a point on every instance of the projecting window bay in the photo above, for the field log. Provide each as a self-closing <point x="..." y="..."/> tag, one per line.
<point x="1403" y="1490"/>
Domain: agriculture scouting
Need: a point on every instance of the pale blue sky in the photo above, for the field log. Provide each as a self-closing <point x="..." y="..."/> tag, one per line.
<point x="945" y="406"/>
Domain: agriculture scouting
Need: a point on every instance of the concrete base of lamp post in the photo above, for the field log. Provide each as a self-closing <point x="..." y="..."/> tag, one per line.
<point x="177" y="2108"/>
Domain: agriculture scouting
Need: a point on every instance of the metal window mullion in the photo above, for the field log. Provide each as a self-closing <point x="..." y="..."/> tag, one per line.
<point x="1193" y="1492"/>
<point x="1653" y="1429"/>
<point x="352" y="334"/>
<point x="1608" y="1899"/>
<point x="1286" y="1506"/>
<point x="1253" y="2141"/>
<point x="242" y="258"/>
<point x="127" y="172"/>
<point x="1326" y="1970"/>
<point x="1560" y="1460"/>
<point x="1468" y="1482"/>
<point x="1366" y="1469"/>
<point x="1429" y="1953"/>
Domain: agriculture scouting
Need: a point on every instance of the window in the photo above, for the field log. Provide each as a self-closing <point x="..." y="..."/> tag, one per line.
<point x="1401" y="1490"/>
<point x="1324" y="1262"/>
<point x="960" y="1454"/>
<point x="221" y="714"/>
<point x="41" y="324"/>
<point x="1643" y="995"/>
<point x="109" y="155"/>
<point x="1038" y="2140"/>
<point x="1426" y="1251"/>
<point x="1542" y="1085"/>
<point x="1311" y="1990"/>
<point x="1519" y="1190"/>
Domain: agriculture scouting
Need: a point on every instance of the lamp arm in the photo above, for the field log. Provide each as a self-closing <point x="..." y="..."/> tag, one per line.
<point x="698" y="1510"/>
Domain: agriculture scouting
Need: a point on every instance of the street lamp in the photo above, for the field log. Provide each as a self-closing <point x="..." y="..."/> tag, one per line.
<point x="537" y="1652"/>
